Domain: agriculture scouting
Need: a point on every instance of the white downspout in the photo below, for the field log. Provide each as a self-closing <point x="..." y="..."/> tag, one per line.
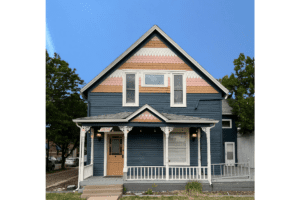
<point x="79" y="159"/>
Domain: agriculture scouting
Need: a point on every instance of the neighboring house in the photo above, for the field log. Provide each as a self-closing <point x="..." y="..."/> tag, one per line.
<point x="154" y="114"/>
<point x="55" y="150"/>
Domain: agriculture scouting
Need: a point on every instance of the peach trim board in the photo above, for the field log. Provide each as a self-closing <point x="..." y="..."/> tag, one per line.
<point x="146" y="116"/>
<point x="189" y="89"/>
<point x="154" y="59"/>
<point x="156" y="66"/>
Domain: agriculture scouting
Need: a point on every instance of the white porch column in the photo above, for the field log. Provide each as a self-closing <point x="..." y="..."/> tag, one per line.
<point x="167" y="131"/>
<point x="125" y="130"/>
<point x="199" y="151"/>
<point x="207" y="131"/>
<point x="83" y="130"/>
<point x="92" y="145"/>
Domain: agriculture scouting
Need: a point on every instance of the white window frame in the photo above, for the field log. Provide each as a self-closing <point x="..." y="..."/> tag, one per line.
<point x="187" y="147"/>
<point x="172" y="90"/>
<point x="230" y="122"/>
<point x="233" y="160"/>
<point x="136" y="103"/>
<point x="153" y="73"/>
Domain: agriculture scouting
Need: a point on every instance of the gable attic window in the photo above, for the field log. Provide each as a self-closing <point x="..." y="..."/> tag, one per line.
<point x="154" y="80"/>
<point x="178" y="90"/>
<point x="130" y="90"/>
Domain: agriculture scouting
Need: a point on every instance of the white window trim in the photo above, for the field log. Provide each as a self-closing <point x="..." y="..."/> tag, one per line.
<point x="230" y="122"/>
<point x="187" y="146"/>
<point x="226" y="161"/>
<point x="153" y="73"/>
<point x="136" y="103"/>
<point x="172" y="90"/>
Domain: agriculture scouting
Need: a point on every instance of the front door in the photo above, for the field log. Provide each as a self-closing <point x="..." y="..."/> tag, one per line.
<point x="115" y="158"/>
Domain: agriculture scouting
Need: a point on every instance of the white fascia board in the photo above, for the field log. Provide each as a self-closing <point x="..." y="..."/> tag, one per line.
<point x="100" y="120"/>
<point x="146" y="106"/>
<point x="143" y="37"/>
<point x="192" y="121"/>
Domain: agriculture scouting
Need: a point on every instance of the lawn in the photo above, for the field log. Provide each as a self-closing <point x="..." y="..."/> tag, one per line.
<point x="63" y="196"/>
<point x="76" y="196"/>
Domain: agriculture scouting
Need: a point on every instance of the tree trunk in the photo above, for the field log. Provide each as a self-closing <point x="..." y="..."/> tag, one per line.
<point x="62" y="158"/>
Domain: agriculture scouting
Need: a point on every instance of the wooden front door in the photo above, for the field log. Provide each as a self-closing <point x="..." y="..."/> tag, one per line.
<point x="115" y="158"/>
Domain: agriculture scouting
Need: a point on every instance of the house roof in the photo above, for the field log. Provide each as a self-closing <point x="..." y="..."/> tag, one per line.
<point x="127" y="116"/>
<point x="134" y="45"/>
<point x="226" y="109"/>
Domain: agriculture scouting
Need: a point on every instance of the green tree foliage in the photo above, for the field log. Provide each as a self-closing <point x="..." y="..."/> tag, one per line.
<point x="241" y="92"/>
<point x="63" y="103"/>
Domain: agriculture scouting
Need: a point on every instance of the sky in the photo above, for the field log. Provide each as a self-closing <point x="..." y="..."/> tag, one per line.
<point x="90" y="34"/>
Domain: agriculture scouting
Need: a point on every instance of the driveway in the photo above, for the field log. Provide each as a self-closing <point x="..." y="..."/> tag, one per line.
<point x="59" y="179"/>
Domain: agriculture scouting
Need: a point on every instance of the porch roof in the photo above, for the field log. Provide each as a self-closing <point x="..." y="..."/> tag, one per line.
<point x="127" y="116"/>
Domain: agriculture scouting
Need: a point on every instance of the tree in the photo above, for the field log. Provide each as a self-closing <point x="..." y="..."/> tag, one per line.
<point x="241" y="92"/>
<point x="63" y="103"/>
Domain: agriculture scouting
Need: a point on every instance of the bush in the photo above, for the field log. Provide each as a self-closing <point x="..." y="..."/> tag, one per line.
<point x="193" y="186"/>
<point x="124" y="190"/>
<point x="149" y="191"/>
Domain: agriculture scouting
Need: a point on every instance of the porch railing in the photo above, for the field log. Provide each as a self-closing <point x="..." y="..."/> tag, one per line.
<point x="236" y="170"/>
<point x="87" y="171"/>
<point x="159" y="173"/>
<point x="146" y="172"/>
<point x="188" y="173"/>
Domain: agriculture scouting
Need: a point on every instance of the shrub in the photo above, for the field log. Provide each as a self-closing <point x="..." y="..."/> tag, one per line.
<point x="124" y="190"/>
<point x="149" y="191"/>
<point x="193" y="186"/>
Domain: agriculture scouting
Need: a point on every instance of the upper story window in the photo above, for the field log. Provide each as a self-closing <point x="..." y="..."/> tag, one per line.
<point x="178" y="90"/>
<point x="154" y="80"/>
<point x="226" y="123"/>
<point x="130" y="90"/>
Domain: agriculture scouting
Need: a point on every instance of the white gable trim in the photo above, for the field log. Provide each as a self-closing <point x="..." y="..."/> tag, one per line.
<point x="134" y="45"/>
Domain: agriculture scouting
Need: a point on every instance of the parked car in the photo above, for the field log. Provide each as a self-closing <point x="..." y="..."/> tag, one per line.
<point x="58" y="160"/>
<point x="72" y="161"/>
<point x="51" y="164"/>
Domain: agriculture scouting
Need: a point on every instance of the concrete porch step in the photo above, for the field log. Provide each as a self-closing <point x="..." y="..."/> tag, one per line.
<point x="116" y="186"/>
<point x="105" y="190"/>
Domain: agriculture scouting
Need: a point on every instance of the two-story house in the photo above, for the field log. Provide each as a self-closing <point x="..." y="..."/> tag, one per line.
<point x="154" y="114"/>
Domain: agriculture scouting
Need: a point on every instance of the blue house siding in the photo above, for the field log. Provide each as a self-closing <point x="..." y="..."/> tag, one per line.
<point x="145" y="148"/>
<point x="229" y="135"/>
<point x="98" y="154"/>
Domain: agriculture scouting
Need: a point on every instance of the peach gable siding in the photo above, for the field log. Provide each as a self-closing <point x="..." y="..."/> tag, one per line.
<point x="146" y="117"/>
<point x="155" y="56"/>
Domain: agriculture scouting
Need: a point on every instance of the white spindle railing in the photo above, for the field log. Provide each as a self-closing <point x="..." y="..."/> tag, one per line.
<point x="159" y="173"/>
<point x="87" y="171"/>
<point x="236" y="170"/>
<point x="188" y="173"/>
<point x="146" y="172"/>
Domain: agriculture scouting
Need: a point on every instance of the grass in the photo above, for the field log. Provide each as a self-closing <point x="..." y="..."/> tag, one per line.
<point x="76" y="196"/>
<point x="63" y="196"/>
<point x="186" y="198"/>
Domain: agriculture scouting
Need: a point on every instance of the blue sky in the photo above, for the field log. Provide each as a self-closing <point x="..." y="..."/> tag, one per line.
<point x="91" y="34"/>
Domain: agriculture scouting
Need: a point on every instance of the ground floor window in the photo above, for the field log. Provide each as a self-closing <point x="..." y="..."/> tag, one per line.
<point x="179" y="148"/>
